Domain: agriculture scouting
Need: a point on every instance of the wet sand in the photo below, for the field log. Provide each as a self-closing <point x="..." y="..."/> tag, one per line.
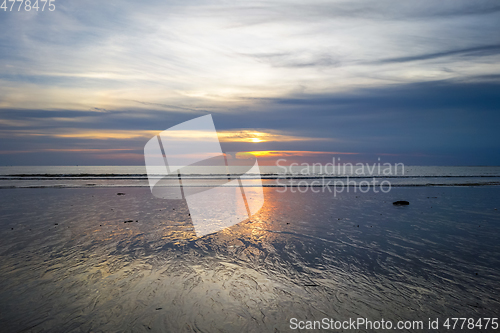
<point x="70" y="263"/>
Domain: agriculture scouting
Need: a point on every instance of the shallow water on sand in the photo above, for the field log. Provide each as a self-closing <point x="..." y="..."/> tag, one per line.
<point x="69" y="263"/>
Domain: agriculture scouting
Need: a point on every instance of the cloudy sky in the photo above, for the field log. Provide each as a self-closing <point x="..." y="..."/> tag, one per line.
<point x="91" y="82"/>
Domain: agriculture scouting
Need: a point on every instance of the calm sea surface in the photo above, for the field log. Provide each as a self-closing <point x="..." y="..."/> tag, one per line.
<point x="108" y="176"/>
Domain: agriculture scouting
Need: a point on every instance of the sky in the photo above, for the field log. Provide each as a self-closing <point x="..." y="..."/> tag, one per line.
<point x="414" y="82"/>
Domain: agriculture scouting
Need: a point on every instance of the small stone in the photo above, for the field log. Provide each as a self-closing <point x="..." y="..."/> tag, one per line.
<point x="401" y="203"/>
<point x="159" y="308"/>
<point x="120" y="193"/>
<point x="56" y="223"/>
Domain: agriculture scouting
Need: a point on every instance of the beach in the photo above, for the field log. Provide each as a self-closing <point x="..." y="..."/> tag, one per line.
<point x="88" y="259"/>
<point x="250" y="166"/>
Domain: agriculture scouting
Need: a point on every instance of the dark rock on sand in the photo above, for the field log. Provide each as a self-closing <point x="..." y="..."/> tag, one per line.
<point x="401" y="203"/>
<point x="120" y="193"/>
<point x="128" y="221"/>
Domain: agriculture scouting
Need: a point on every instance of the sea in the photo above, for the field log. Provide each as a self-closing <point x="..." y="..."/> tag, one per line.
<point x="272" y="176"/>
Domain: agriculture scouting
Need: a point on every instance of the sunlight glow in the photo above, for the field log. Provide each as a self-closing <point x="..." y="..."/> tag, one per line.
<point x="257" y="137"/>
<point x="294" y="153"/>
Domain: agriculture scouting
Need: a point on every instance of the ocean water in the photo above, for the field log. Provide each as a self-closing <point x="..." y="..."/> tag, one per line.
<point x="272" y="176"/>
<point x="69" y="261"/>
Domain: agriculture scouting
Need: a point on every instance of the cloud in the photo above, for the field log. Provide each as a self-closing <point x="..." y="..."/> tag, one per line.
<point x="388" y="77"/>
<point x="388" y="119"/>
<point x="479" y="51"/>
<point x="290" y="60"/>
<point x="255" y="136"/>
<point x="181" y="55"/>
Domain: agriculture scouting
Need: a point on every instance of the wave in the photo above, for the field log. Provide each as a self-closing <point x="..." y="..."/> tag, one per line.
<point x="263" y="185"/>
<point x="222" y="176"/>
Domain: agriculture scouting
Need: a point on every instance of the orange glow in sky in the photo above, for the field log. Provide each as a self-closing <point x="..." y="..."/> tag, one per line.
<point x="294" y="153"/>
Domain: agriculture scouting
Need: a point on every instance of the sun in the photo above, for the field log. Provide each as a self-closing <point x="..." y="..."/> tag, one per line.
<point x="256" y="140"/>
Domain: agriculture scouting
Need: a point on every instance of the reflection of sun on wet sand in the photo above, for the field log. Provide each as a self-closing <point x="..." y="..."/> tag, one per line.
<point x="304" y="255"/>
